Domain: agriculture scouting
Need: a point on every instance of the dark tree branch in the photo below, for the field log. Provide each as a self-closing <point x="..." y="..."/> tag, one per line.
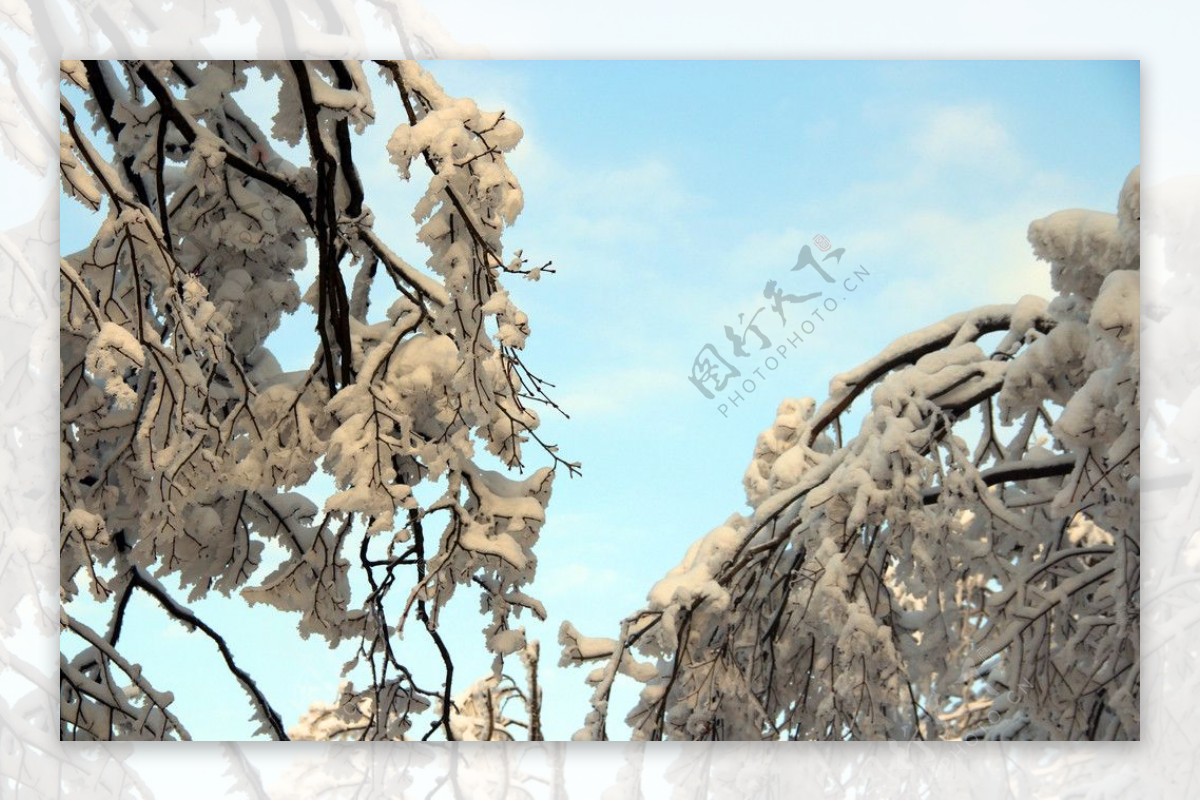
<point x="354" y="205"/>
<point x="333" y="304"/>
<point x="1019" y="471"/>
<point x="185" y="126"/>
<point x="181" y="613"/>
<point x="443" y="721"/>
<point x="107" y="105"/>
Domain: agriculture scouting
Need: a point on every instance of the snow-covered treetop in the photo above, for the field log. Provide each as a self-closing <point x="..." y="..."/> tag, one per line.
<point x="184" y="443"/>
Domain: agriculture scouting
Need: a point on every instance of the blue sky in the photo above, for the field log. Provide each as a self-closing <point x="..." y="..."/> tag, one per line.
<point x="667" y="195"/>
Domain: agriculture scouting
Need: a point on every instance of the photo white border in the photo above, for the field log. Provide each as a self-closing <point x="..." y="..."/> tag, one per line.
<point x="35" y="34"/>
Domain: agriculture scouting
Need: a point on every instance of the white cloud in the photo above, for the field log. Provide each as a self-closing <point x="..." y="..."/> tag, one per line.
<point x="966" y="136"/>
<point x="618" y="391"/>
<point x="607" y="205"/>
<point x="765" y="253"/>
<point x="964" y="261"/>
<point x="950" y="216"/>
<point x="574" y="577"/>
<point x="595" y="204"/>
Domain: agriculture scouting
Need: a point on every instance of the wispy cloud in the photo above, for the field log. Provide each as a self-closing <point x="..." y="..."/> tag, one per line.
<point x="964" y="260"/>
<point x="570" y="578"/>
<point x="966" y="135"/>
<point x="607" y="205"/>
<point x="618" y="391"/>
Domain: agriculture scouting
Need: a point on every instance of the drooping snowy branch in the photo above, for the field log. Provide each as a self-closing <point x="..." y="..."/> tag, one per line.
<point x="965" y="567"/>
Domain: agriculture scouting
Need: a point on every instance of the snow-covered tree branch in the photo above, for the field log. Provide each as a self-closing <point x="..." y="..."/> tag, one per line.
<point x="965" y="567"/>
<point x="185" y="446"/>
